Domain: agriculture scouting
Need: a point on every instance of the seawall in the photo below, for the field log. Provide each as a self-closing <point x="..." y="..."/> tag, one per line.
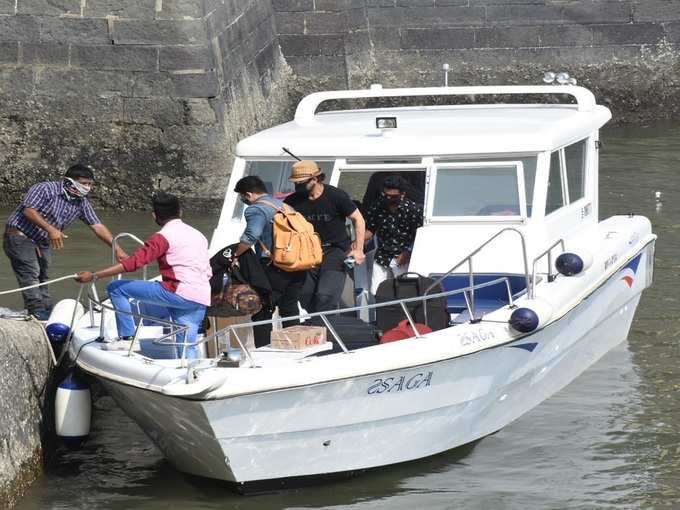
<point x="25" y="368"/>
<point x="150" y="90"/>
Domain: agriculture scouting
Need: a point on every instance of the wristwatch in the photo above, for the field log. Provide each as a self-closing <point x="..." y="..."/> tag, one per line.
<point x="94" y="277"/>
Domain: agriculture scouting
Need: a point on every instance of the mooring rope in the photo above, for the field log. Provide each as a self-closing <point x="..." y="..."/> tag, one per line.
<point x="54" y="280"/>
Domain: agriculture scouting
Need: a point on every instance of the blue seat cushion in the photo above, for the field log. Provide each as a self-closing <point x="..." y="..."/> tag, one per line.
<point x="487" y="298"/>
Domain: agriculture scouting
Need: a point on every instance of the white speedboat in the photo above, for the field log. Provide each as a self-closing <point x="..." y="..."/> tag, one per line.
<point x="537" y="290"/>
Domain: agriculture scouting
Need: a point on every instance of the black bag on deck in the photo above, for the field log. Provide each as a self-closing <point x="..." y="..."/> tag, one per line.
<point x="354" y="332"/>
<point x="409" y="285"/>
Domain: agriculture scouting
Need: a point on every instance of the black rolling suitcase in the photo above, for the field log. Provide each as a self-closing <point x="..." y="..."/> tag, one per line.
<point x="354" y="332"/>
<point x="410" y="285"/>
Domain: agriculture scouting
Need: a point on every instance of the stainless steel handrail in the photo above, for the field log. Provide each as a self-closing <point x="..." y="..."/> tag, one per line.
<point x="548" y="252"/>
<point x="468" y="258"/>
<point x="114" y="246"/>
<point x="323" y="315"/>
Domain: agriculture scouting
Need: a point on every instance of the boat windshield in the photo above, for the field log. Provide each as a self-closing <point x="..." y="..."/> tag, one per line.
<point x="275" y="176"/>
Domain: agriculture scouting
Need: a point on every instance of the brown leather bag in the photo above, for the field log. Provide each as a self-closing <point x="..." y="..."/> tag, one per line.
<point x="243" y="298"/>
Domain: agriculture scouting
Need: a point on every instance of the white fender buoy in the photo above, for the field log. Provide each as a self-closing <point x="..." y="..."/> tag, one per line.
<point x="533" y="315"/>
<point x="58" y="326"/>
<point x="72" y="410"/>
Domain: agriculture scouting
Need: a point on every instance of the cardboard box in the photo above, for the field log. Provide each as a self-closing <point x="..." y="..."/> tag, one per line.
<point x="225" y="342"/>
<point x="298" y="337"/>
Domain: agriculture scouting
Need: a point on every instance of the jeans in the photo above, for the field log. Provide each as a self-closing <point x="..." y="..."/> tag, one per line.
<point x="180" y="310"/>
<point x="30" y="266"/>
<point x="286" y="288"/>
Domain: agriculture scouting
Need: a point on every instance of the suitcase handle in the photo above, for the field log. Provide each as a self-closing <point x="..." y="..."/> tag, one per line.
<point x="408" y="276"/>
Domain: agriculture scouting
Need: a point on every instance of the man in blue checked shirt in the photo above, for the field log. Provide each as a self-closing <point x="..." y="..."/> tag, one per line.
<point x="37" y="226"/>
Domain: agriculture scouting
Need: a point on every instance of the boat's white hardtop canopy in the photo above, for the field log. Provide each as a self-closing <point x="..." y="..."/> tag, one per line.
<point x="431" y="130"/>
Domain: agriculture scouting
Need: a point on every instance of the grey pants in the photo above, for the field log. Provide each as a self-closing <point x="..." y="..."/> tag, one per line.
<point x="30" y="266"/>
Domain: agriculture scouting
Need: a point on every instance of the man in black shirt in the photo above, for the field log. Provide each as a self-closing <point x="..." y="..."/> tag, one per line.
<point x="327" y="208"/>
<point x="395" y="220"/>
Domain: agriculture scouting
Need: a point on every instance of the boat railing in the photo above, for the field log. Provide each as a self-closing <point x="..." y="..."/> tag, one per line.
<point x="170" y="339"/>
<point x="114" y="247"/>
<point x="546" y="253"/>
<point x="528" y="280"/>
<point x="402" y="303"/>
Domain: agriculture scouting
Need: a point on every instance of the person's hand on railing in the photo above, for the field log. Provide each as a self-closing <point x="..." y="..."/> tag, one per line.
<point x="84" y="276"/>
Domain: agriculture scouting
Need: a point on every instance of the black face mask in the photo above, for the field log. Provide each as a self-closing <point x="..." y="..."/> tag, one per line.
<point x="301" y="188"/>
<point x="245" y="200"/>
<point x="396" y="200"/>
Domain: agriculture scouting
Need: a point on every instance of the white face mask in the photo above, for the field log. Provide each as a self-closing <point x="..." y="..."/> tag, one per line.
<point x="77" y="188"/>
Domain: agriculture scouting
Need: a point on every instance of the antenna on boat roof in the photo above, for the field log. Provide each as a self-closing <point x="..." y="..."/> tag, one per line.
<point x="446" y="68"/>
<point x="286" y="150"/>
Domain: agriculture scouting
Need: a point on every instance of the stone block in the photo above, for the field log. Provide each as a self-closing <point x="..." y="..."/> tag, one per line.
<point x="44" y="54"/>
<point x="656" y="10"/>
<point x="19" y="28"/>
<point x="7" y="6"/>
<point x="159" y="32"/>
<point x="437" y="38"/>
<point x="385" y="38"/>
<point x="507" y="37"/>
<point x="174" y="58"/>
<point x="288" y="23"/>
<point x="9" y="52"/>
<point x="267" y="59"/>
<point x="331" y="5"/>
<point x="293" y="5"/>
<point x="419" y="3"/>
<point x="127" y="58"/>
<point x="580" y="11"/>
<point x="199" y="112"/>
<point x="72" y="30"/>
<point x="631" y="33"/>
<point x="359" y="41"/>
<point x="357" y="19"/>
<point x="82" y="82"/>
<point x="673" y="31"/>
<point x="501" y="2"/>
<point x="132" y="9"/>
<point x="297" y="45"/>
<point x="156" y="111"/>
<point x="426" y="17"/>
<point x="180" y="9"/>
<point x="217" y="21"/>
<point x="565" y="35"/>
<point x="299" y="65"/>
<point x="49" y="7"/>
<point x="325" y="23"/>
<point x="192" y="85"/>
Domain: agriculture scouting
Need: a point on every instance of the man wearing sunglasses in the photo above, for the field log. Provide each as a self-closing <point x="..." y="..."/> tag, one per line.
<point x="394" y="219"/>
<point x="37" y="226"/>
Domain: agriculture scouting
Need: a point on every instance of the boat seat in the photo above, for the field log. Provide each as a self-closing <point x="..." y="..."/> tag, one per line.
<point x="487" y="299"/>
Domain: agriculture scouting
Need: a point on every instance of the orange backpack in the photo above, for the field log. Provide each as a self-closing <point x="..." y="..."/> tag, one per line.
<point x="296" y="246"/>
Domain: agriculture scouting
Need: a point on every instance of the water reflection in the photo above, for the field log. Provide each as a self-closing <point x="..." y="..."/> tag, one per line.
<point x="608" y="440"/>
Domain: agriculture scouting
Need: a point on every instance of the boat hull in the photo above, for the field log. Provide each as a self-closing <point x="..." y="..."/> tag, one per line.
<point x="385" y="418"/>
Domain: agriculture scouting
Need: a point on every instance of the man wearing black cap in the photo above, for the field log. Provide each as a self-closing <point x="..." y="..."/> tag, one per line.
<point x="327" y="208"/>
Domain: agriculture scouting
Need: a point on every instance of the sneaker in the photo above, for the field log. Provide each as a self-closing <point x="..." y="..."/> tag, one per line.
<point x="117" y="344"/>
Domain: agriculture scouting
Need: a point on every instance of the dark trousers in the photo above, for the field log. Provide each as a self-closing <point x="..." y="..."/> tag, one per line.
<point x="285" y="294"/>
<point x="323" y="286"/>
<point x="30" y="265"/>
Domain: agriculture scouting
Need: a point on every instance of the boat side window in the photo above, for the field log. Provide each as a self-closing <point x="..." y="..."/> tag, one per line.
<point x="476" y="191"/>
<point x="365" y="187"/>
<point x="275" y="176"/>
<point x="575" y="159"/>
<point x="555" y="198"/>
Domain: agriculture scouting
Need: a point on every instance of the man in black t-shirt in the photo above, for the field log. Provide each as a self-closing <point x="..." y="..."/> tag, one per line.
<point x="327" y="208"/>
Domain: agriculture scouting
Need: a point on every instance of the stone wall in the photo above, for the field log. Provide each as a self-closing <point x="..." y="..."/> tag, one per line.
<point x="141" y="89"/>
<point x="162" y="89"/>
<point x="626" y="51"/>
<point x="25" y="367"/>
